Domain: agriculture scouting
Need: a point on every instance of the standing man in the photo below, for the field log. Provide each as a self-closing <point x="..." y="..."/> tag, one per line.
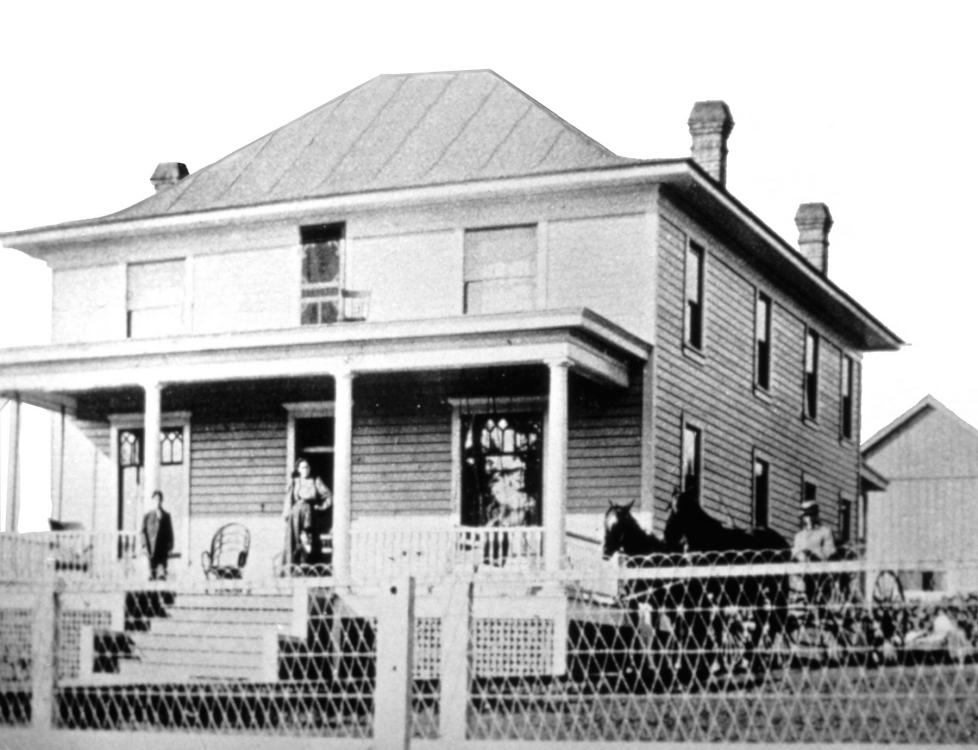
<point x="157" y="538"/>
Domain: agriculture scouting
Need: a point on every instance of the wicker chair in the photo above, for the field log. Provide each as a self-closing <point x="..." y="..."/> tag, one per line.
<point x="228" y="553"/>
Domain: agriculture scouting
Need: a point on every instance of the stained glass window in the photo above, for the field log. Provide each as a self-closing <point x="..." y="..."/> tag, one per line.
<point x="171" y="447"/>
<point x="130" y="450"/>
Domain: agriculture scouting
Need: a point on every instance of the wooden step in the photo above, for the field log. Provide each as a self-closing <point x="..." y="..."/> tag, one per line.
<point x="194" y="628"/>
<point x="142" y="672"/>
<point x="212" y="601"/>
<point x="201" y="642"/>
<point x="214" y="619"/>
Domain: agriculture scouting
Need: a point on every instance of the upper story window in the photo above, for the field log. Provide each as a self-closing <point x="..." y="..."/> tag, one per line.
<point x="322" y="258"/>
<point x="692" y="458"/>
<point x="845" y="520"/>
<point x="762" y="489"/>
<point x="811" y="374"/>
<point x="762" y="342"/>
<point x="499" y="269"/>
<point x="847" y="400"/>
<point x="154" y="298"/>
<point x="693" y="318"/>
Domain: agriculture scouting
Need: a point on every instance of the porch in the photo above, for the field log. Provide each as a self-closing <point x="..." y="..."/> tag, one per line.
<point x="408" y="423"/>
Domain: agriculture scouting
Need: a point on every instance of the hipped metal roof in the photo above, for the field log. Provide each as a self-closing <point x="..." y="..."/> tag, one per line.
<point x="392" y="131"/>
<point x="424" y="133"/>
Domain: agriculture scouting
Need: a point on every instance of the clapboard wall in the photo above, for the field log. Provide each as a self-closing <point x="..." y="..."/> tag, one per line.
<point x="714" y="389"/>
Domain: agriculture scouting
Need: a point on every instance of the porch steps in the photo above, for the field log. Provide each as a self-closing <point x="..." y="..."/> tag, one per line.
<point x="210" y="635"/>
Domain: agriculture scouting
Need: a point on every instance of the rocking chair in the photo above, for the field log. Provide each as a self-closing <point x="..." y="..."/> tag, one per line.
<point x="228" y="553"/>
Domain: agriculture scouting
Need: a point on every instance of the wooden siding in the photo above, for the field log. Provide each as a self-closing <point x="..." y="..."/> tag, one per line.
<point x="402" y="463"/>
<point x="715" y="391"/>
<point x="604" y="452"/>
<point x="409" y="258"/>
<point x="88" y="304"/>
<point x="402" y="450"/>
<point x="237" y="463"/>
<point x="604" y="264"/>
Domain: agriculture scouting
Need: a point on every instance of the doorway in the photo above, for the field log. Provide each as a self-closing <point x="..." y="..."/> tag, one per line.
<point x="173" y="479"/>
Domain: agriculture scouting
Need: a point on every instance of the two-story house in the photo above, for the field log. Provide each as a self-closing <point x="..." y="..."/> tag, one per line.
<point x="453" y="304"/>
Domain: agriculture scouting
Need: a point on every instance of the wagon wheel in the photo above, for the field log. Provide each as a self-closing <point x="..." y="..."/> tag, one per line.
<point x="889" y="612"/>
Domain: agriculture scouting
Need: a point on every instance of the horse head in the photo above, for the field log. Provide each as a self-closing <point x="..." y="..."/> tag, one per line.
<point x="618" y="523"/>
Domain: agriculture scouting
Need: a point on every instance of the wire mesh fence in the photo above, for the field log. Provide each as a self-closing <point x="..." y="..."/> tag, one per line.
<point x="680" y="649"/>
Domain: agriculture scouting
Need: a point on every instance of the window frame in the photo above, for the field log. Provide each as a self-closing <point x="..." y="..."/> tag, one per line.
<point x="530" y="277"/>
<point x="179" y="307"/>
<point x="807" y="480"/>
<point x="462" y="406"/>
<point x="847" y="401"/>
<point x="810" y="380"/>
<point x="698" y="250"/>
<point x="846" y="533"/>
<point x="307" y="238"/>
<point x="691" y="424"/>
<point x="759" y="298"/>
<point x="759" y="457"/>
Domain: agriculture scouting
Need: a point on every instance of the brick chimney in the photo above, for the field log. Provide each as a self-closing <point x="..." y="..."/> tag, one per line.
<point x="710" y="124"/>
<point x="168" y="173"/>
<point x="814" y="222"/>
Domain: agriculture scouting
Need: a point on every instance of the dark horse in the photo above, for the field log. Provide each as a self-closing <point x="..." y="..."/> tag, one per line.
<point x="715" y="623"/>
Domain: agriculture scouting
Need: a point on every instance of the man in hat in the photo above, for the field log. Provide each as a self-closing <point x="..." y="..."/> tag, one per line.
<point x="813" y="541"/>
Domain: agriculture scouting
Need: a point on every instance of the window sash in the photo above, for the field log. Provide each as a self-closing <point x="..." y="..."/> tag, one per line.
<point x="691" y="458"/>
<point x="693" y="316"/>
<point x="762" y="337"/>
<point x="811" y="375"/>
<point x="762" y="492"/>
<point x="848" y="372"/>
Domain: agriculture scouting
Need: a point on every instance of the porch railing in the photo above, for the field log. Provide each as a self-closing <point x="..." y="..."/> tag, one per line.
<point x="430" y="553"/>
<point x="36" y="555"/>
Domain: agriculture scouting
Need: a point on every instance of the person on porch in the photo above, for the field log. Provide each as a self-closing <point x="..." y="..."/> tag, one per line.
<point x="158" y="538"/>
<point x="306" y="511"/>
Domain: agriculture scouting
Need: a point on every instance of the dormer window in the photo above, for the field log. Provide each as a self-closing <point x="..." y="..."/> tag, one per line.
<point x="322" y="262"/>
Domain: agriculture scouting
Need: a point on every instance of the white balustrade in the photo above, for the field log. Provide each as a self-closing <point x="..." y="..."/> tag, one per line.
<point x="428" y="554"/>
<point x="100" y="555"/>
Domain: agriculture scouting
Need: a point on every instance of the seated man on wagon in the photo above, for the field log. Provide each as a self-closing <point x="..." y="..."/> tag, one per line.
<point x="813" y="541"/>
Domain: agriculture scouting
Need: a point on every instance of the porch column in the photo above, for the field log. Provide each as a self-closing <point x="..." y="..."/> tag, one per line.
<point x="13" y="465"/>
<point x="555" y="459"/>
<point x="342" y="474"/>
<point x="151" y="443"/>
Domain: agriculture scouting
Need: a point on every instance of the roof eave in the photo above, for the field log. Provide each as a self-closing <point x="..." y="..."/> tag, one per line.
<point x="683" y="173"/>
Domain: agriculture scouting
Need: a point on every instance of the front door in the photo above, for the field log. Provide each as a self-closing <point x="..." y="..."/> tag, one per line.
<point x="173" y="467"/>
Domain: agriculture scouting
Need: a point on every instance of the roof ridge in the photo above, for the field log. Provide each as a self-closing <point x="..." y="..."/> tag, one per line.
<point x="929" y="401"/>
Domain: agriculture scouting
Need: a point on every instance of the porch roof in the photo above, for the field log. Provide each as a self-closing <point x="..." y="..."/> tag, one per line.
<point x="595" y="347"/>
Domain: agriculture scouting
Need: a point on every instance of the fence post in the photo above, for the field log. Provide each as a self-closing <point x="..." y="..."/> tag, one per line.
<point x="456" y="665"/>
<point x="395" y="666"/>
<point x="44" y="653"/>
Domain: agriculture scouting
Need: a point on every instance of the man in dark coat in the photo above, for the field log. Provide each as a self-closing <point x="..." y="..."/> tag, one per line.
<point x="158" y="538"/>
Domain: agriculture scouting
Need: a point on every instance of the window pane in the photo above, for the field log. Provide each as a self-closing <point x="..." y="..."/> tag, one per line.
<point x="811" y="375"/>
<point x="498" y="295"/>
<point x="761" y="489"/>
<point x="321" y="262"/>
<point x="502" y="469"/>
<point x="762" y="336"/>
<point x="691" y="458"/>
<point x="693" y="322"/>
<point x="500" y="253"/>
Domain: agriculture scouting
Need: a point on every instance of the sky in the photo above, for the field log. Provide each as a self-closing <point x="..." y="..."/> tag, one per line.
<point x="868" y="107"/>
